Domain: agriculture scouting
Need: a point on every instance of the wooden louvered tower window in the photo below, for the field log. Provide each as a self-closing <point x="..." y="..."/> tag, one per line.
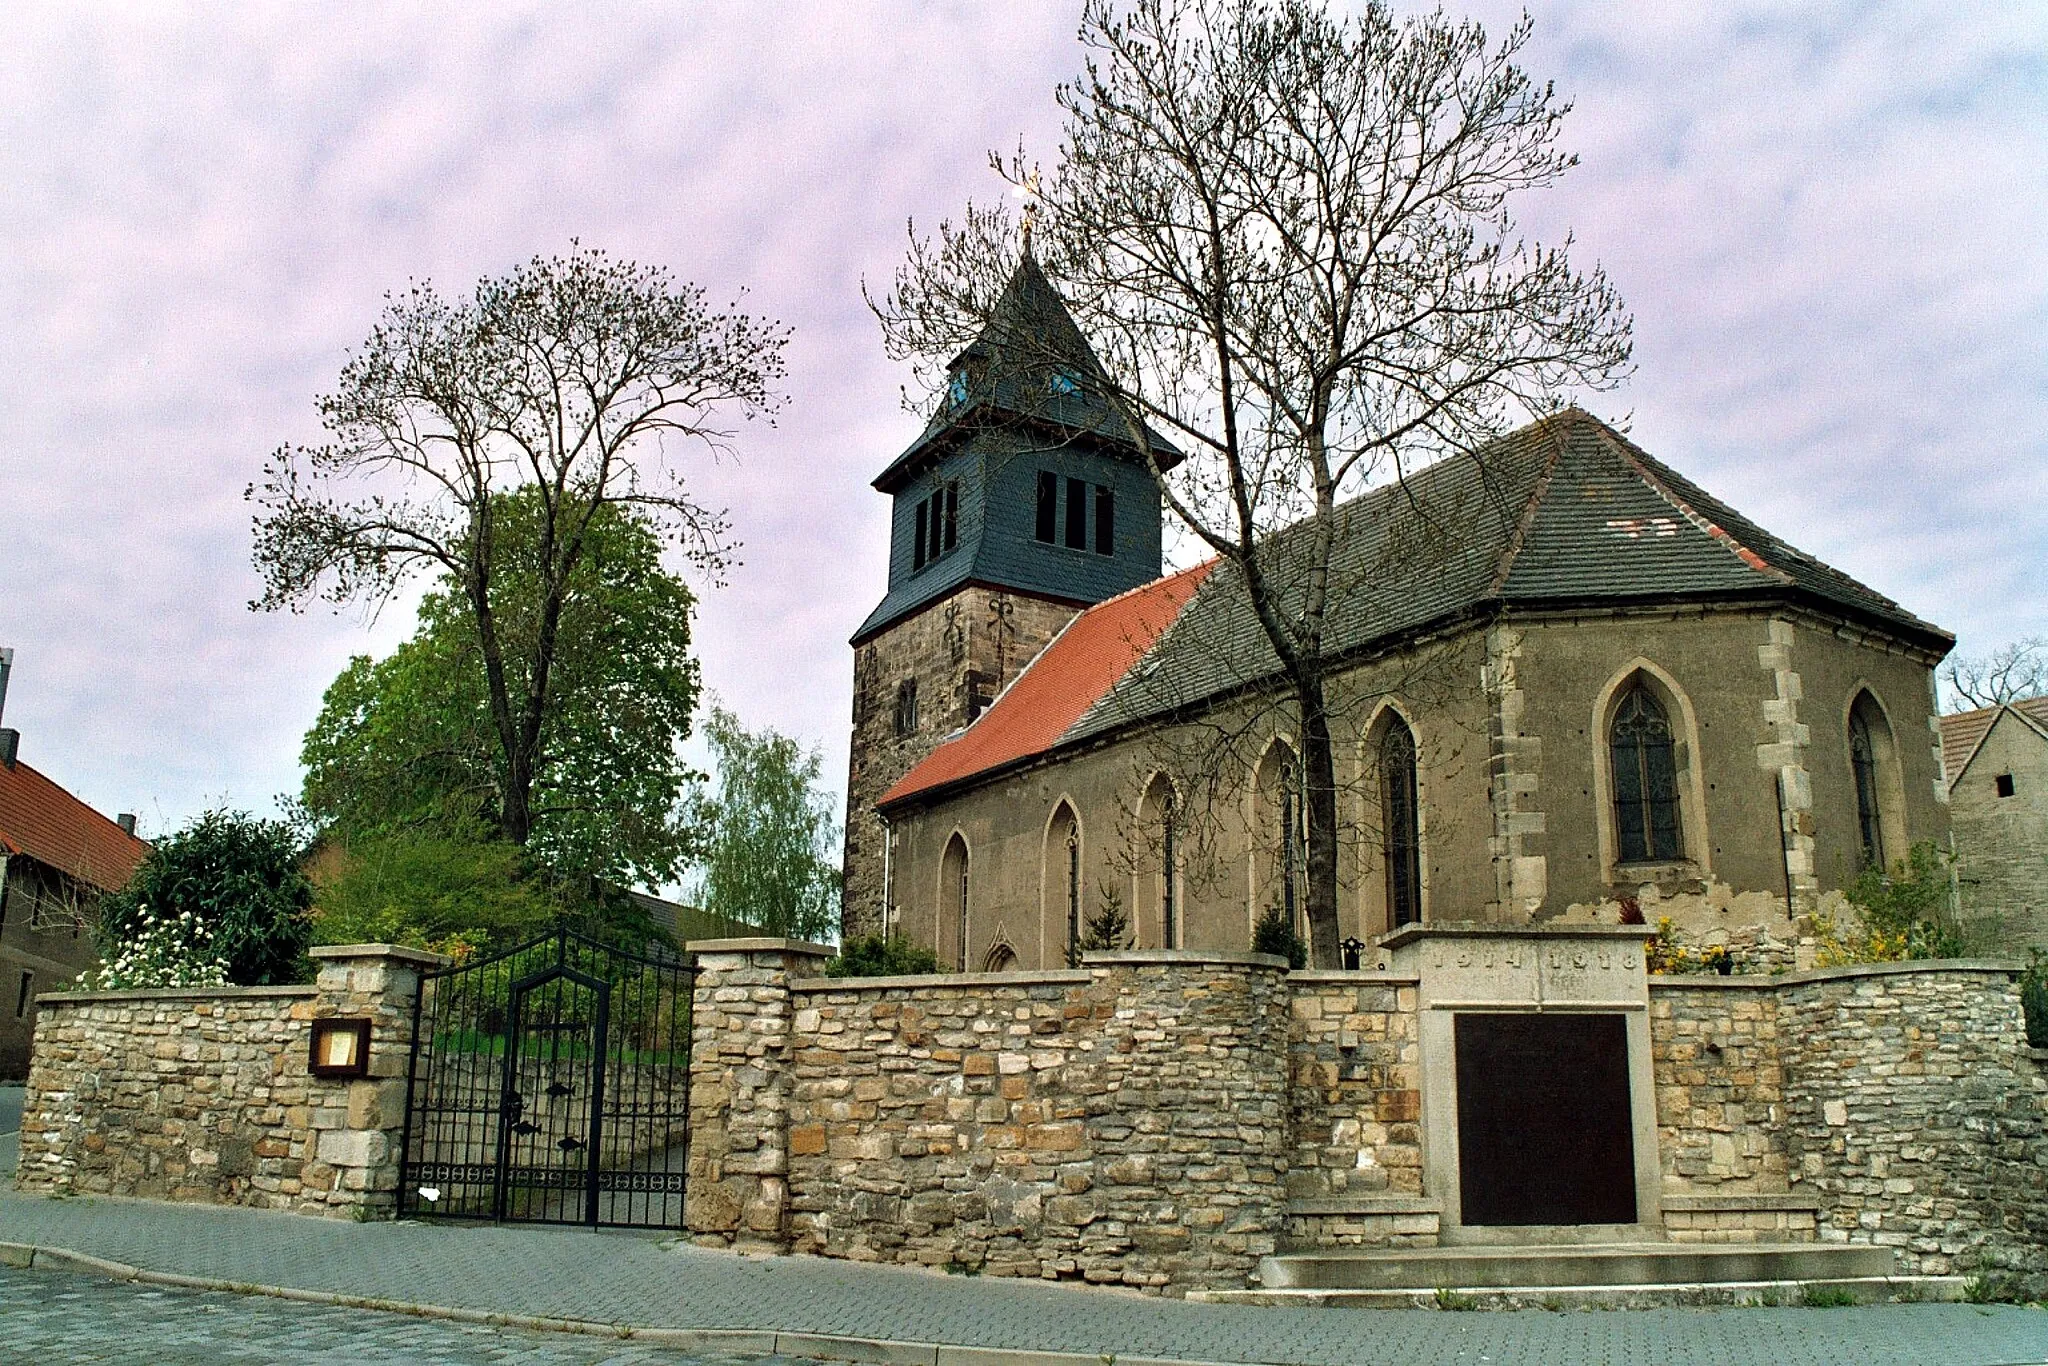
<point x="1645" y="780"/>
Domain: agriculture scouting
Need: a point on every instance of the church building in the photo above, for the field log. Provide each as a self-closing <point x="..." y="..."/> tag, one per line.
<point x="1571" y="685"/>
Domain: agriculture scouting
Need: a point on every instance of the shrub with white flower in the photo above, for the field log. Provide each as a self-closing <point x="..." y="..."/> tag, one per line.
<point x="161" y="951"/>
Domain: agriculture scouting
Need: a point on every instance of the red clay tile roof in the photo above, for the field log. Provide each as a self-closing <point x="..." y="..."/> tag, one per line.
<point x="1963" y="731"/>
<point x="48" y="824"/>
<point x="1083" y="662"/>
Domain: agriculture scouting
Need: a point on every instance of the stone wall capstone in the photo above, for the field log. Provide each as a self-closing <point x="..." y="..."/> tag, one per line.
<point x="206" y="1095"/>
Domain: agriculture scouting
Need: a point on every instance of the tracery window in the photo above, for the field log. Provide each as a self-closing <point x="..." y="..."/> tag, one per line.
<point x="1645" y="780"/>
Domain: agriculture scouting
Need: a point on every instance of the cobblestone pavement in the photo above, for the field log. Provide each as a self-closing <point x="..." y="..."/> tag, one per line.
<point x="60" y="1317"/>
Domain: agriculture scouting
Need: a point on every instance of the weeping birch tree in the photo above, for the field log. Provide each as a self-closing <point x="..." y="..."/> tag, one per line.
<point x="1289" y="236"/>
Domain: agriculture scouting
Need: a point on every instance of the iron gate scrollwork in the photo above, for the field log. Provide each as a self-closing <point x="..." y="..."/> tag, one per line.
<point x="551" y="1084"/>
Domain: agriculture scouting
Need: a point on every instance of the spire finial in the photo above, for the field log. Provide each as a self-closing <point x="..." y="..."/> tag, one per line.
<point x="1028" y="192"/>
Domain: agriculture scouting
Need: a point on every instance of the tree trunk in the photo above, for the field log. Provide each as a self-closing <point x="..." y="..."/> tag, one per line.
<point x="1319" y="784"/>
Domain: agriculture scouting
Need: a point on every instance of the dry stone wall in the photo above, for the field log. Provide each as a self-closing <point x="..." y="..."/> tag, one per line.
<point x="1123" y="1123"/>
<point x="205" y="1096"/>
<point x="1914" y="1112"/>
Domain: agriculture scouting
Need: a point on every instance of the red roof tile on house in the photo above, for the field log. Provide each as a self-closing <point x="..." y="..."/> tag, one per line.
<point x="48" y="824"/>
<point x="1070" y="675"/>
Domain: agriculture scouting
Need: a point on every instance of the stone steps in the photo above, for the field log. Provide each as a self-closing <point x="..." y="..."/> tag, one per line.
<point x="1860" y="1290"/>
<point x="1585" y="1265"/>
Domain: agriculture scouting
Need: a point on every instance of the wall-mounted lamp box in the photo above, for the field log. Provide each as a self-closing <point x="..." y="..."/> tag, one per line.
<point x="341" y="1048"/>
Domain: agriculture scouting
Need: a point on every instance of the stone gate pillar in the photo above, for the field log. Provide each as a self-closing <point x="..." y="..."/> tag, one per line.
<point x="740" y="1078"/>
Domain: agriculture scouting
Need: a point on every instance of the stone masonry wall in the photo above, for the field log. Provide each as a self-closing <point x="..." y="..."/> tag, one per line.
<point x="205" y="1096"/>
<point x="1161" y="1120"/>
<point x="1125" y="1123"/>
<point x="1914" y="1111"/>
<point x="976" y="640"/>
<point x="740" y="1081"/>
<point x="1720" y="1086"/>
<point x="1354" y="1176"/>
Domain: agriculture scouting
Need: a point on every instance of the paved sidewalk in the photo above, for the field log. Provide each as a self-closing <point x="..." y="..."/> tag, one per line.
<point x="619" y="1278"/>
<point x="52" y="1316"/>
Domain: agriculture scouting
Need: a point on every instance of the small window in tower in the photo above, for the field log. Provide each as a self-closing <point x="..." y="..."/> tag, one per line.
<point x="952" y="517"/>
<point x="1105" y="520"/>
<point x="906" y="707"/>
<point x="956" y="390"/>
<point x="2004" y="781"/>
<point x="1077" y="514"/>
<point x="1065" y="383"/>
<point x="1048" y="506"/>
<point x="917" y="555"/>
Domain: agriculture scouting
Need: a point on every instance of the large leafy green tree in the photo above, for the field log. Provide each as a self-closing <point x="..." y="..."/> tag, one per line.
<point x="407" y="744"/>
<point x="239" y="879"/>
<point x="769" y="833"/>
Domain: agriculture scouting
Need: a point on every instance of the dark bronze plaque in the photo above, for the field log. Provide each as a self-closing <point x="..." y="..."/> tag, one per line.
<point x="1543" y="1120"/>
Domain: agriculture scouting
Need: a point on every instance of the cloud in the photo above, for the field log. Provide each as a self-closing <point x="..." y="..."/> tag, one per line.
<point x="1822" y="217"/>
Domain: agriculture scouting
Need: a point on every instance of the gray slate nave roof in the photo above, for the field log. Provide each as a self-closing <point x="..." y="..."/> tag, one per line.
<point x="1564" y="512"/>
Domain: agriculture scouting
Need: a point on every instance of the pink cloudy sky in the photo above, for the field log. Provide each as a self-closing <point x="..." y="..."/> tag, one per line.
<point x="1827" y="219"/>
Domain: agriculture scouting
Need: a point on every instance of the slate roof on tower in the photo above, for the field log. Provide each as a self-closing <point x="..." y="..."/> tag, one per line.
<point x="1027" y="395"/>
<point x="1563" y="513"/>
<point x="1008" y="374"/>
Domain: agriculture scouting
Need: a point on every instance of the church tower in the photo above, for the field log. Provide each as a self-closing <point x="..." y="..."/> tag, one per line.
<point x="1023" y="501"/>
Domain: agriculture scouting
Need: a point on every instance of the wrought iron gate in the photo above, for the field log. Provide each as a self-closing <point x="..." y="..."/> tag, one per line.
<point x="551" y="1084"/>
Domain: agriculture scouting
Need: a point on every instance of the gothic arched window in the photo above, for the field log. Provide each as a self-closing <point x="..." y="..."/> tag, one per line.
<point x="1400" y="836"/>
<point x="1278" y="842"/>
<point x="1863" y="763"/>
<point x="1063" y="876"/>
<point x="1645" y="780"/>
<point x="1158" y="863"/>
<point x="952" y="927"/>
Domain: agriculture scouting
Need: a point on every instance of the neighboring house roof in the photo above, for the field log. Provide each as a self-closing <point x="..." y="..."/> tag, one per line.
<point x="1964" y="732"/>
<point x="685" y="923"/>
<point x="48" y="824"/>
<point x="1563" y="513"/>
<point x="1084" y="661"/>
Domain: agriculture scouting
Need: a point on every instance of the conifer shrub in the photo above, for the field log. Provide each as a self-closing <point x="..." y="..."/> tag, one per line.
<point x="1275" y="934"/>
<point x="2034" y="999"/>
<point x="874" y="955"/>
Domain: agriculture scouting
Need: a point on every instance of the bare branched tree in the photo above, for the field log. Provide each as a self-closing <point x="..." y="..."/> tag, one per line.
<point x="2005" y="675"/>
<point x="1288" y="236"/>
<point x="580" y="377"/>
